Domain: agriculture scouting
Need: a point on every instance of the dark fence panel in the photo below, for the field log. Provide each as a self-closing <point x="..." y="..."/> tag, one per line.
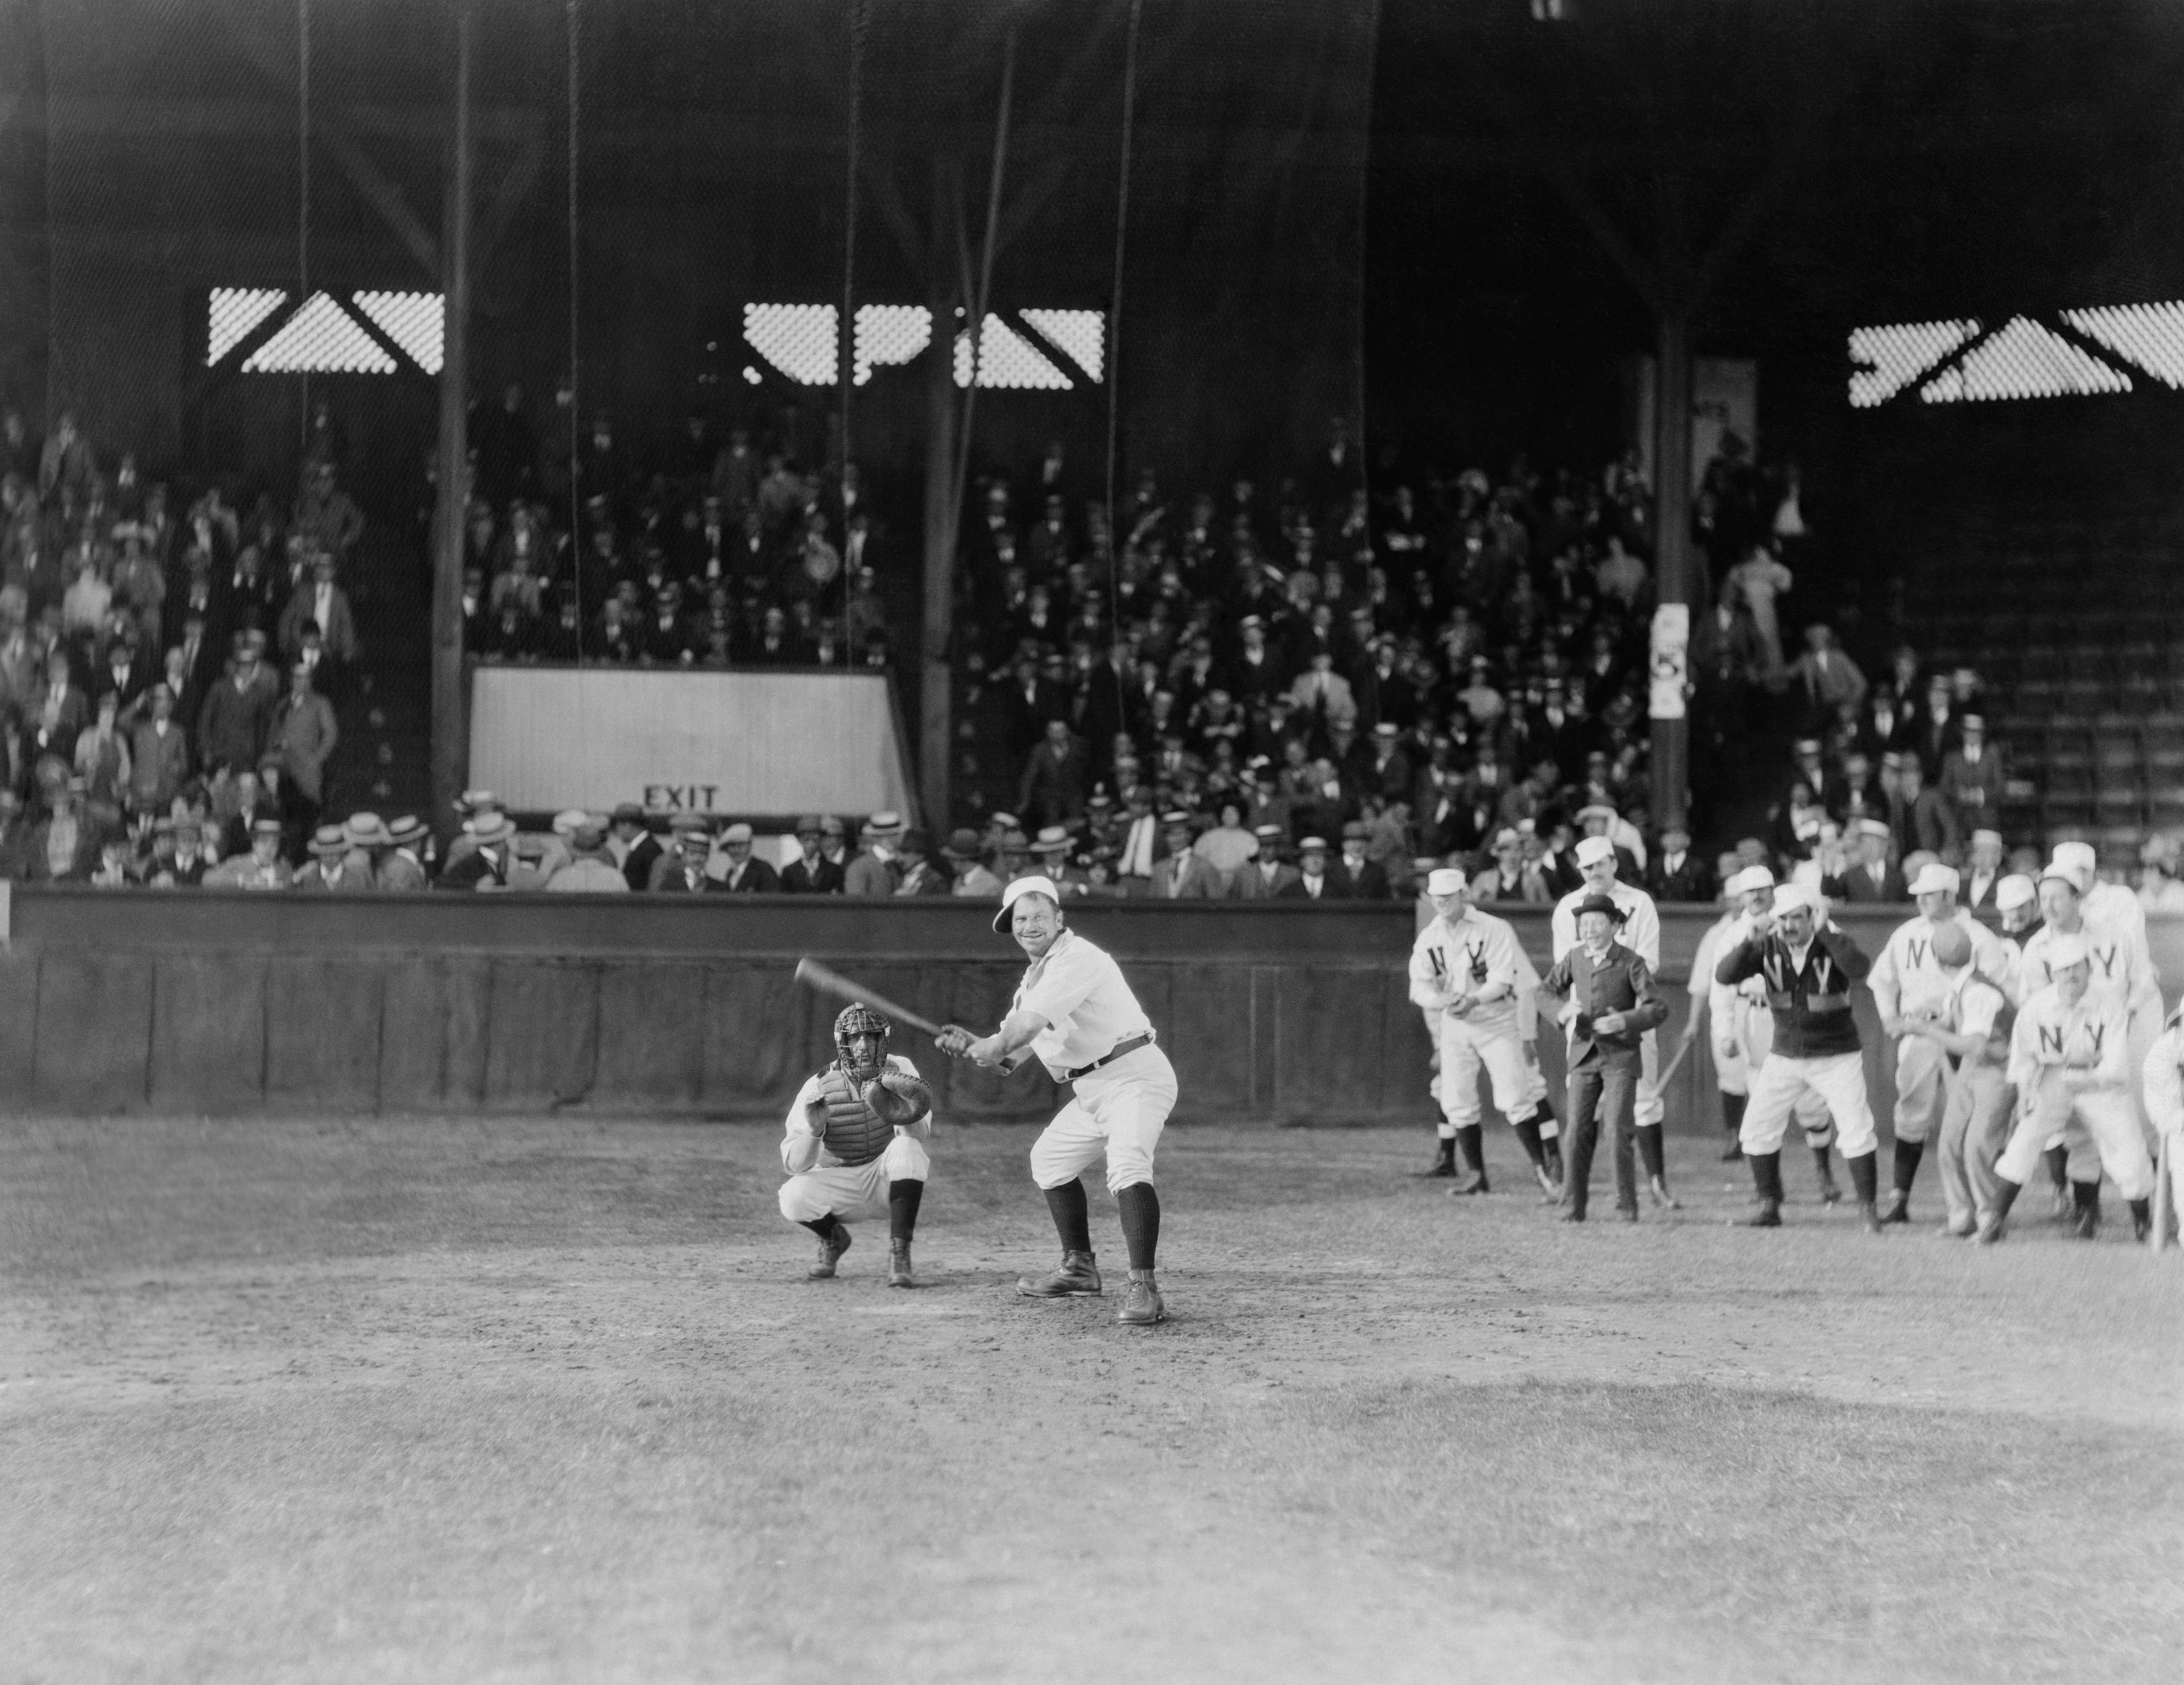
<point x="224" y="1003"/>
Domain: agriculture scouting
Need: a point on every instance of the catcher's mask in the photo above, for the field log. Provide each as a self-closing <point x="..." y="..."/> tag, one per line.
<point x="860" y="1019"/>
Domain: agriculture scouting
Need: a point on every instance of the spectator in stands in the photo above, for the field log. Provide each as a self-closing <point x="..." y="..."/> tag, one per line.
<point x="736" y="871"/>
<point x="1982" y="870"/>
<point x="1183" y="874"/>
<point x="1056" y="778"/>
<point x="1872" y="877"/>
<point x="871" y="872"/>
<point x="589" y="869"/>
<point x="401" y="869"/>
<point x="1312" y="883"/>
<point x="61" y="713"/>
<point x="1676" y="873"/>
<point x="2159" y="890"/>
<point x="1925" y="820"/>
<point x="320" y="602"/>
<point x="917" y="874"/>
<point x="300" y="739"/>
<point x="326" y="522"/>
<point x="489" y="862"/>
<point x="1935" y="733"/>
<point x="258" y="867"/>
<point x="1972" y="776"/>
<point x="681" y="870"/>
<point x="965" y="854"/>
<point x="1830" y="685"/>
<point x="64" y="846"/>
<point x="1794" y="824"/>
<point x="102" y="755"/>
<point x="632" y="844"/>
<point x="812" y="873"/>
<point x="1353" y="876"/>
<point x="237" y="716"/>
<point x="333" y="866"/>
<point x="1760" y="581"/>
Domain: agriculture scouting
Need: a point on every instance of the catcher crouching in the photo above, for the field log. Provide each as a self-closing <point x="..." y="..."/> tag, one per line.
<point x="854" y="1146"/>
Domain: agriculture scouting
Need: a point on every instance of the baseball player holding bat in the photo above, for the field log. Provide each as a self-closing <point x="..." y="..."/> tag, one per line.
<point x="854" y="1146"/>
<point x="1076" y="1015"/>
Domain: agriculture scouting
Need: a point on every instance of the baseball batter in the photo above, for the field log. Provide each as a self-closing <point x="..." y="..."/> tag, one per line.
<point x="1642" y="932"/>
<point x="2069" y="1060"/>
<point x="855" y="1146"/>
<point x="1740" y="1029"/>
<point x="1467" y="973"/>
<point x="1809" y="968"/>
<point x="1076" y="1015"/>
<point x="1911" y="986"/>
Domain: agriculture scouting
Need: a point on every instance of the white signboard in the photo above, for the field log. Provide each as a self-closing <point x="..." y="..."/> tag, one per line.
<point x="1670" y="660"/>
<point x="544" y="738"/>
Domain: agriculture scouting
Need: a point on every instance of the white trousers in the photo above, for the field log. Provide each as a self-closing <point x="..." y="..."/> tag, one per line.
<point x="1119" y="1110"/>
<point x="1838" y="1079"/>
<point x="1740" y="1039"/>
<point x="854" y="1190"/>
<point x="1518" y="1085"/>
<point x="1922" y="1072"/>
<point x="1650" y="1110"/>
<point x="2108" y="1114"/>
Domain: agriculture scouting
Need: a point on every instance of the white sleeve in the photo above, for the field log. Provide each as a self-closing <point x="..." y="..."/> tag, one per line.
<point x="1528" y="998"/>
<point x="1700" y="985"/>
<point x="2164" y="1081"/>
<point x="1885" y="978"/>
<point x="1642" y="932"/>
<point x="1502" y="958"/>
<point x="1995" y="958"/>
<point x="1562" y="930"/>
<point x="799" y="1147"/>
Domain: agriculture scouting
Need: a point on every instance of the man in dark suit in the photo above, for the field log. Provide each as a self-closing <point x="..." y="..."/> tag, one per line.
<point x="1676" y="873"/>
<point x="632" y="845"/>
<point x="735" y="871"/>
<point x="1313" y="881"/>
<point x="813" y="874"/>
<point x="1268" y="875"/>
<point x="1056" y="778"/>
<point x="1873" y="878"/>
<point x="680" y="871"/>
<point x="1353" y="876"/>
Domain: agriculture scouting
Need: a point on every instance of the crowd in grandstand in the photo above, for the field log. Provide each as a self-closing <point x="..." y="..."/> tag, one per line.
<point x="720" y="554"/>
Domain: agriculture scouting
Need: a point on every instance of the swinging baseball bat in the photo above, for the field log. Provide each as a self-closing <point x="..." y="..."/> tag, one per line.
<point x="828" y="981"/>
<point x="1675" y="1065"/>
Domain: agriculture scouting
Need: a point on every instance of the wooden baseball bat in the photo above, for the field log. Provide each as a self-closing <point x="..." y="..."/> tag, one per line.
<point x="828" y="981"/>
<point x="2159" y="1239"/>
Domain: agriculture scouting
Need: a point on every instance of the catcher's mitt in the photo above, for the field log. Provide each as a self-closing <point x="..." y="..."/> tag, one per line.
<point x="897" y="1099"/>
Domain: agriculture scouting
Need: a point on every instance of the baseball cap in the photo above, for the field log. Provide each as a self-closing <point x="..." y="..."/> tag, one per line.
<point x="1789" y="897"/>
<point x="2015" y="891"/>
<point x="1035" y="883"/>
<point x="1595" y="848"/>
<point x="1934" y="879"/>
<point x="2076" y="862"/>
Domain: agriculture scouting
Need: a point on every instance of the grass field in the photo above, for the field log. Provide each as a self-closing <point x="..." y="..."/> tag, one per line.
<point x="552" y="1401"/>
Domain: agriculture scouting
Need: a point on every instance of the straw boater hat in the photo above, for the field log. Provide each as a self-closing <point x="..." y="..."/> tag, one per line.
<point x="328" y="841"/>
<point x="1051" y="840"/>
<point x="489" y="830"/>
<point x="963" y="844"/>
<point x="365" y="830"/>
<point x="406" y="832"/>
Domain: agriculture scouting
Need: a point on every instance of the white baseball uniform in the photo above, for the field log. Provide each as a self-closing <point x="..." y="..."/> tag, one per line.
<point x="1122" y="1097"/>
<point x="1907" y="981"/>
<point x="819" y="1182"/>
<point x="2163" y="1073"/>
<point x="1477" y="955"/>
<point x="1641" y="931"/>
<point x="2072" y="1064"/>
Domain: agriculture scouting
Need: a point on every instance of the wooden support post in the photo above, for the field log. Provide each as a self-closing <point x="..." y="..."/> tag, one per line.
<point x="935" y="714"/>
<point x="450" y="714"/>
<point x="1672" y="543"/>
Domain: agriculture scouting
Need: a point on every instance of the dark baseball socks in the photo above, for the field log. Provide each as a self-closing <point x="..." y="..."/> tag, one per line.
<point x="902" y="1210"/>
<point x="1072" y="1216"/>
<point x="1141" y="1211"/>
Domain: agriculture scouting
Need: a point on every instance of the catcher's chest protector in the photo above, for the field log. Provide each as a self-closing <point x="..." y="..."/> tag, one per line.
<point x="855" y="1134"/>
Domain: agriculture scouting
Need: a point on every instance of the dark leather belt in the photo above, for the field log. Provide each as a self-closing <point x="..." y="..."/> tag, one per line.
<point x="1114" y="1054"/>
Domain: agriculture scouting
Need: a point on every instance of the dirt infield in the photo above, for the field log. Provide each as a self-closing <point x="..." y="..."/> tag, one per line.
<point x="546" y="1401"/>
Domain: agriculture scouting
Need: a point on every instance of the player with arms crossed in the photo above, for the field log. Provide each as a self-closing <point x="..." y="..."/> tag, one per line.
<point x="1074" y="1012"/>
<point x="855" y="1144"/>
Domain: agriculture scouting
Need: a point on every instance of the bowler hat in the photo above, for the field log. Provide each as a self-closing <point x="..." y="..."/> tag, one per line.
<point x="1599" y="904"/>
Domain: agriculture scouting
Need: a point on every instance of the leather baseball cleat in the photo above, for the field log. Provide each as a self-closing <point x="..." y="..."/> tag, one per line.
<point x="1550" y="1183"/>
<point x="1958" y="1229"/>
<point x="1444" y="1163"/>
<point x="1768" y="1216"/>
<point x="1663" y="1199"/>
<point x="1078" y="1278"/>
<point x="1871" y="1219"/>
<point x="830" y="1254"/>
<point x="1899" y="1207"/>
<point x="1990" y="1228"/>
<point x="1471" y="1181"/>
<point x="1142" y="1304"/>
<point x="899" y="1271"/>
